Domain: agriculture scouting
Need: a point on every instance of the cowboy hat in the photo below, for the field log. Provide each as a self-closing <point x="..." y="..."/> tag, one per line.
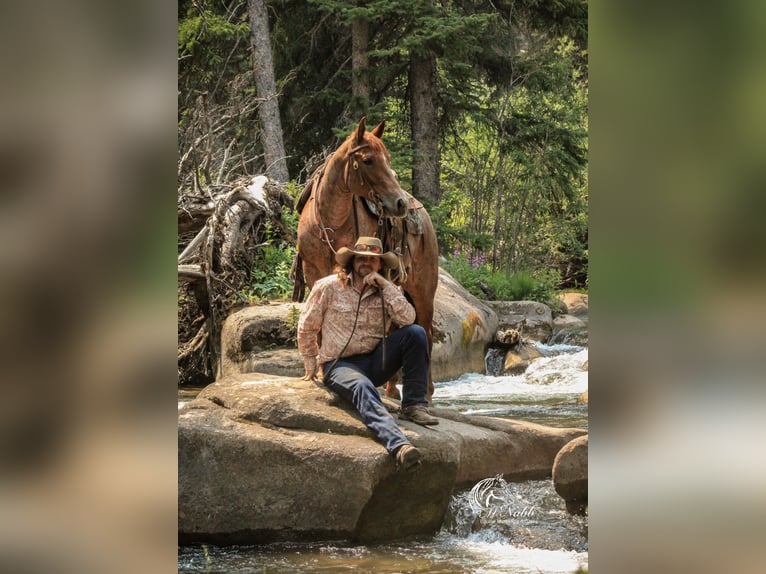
<point x="367" y="246"/>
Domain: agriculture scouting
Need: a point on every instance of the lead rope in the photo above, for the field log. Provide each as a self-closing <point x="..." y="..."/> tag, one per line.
<point x="383" y="342"/>
<point x="356" y="318"/>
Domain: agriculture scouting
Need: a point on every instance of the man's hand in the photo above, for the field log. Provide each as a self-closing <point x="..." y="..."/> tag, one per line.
<point x="310" y="365"/>
<point x="375" y="279"/>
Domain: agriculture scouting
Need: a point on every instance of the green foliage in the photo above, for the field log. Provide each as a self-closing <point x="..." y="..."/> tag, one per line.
<point x="512" y="109"/>
<point x="208" y="36"/>
<point x="290" y="216"/>
<point x="293" y="315"/>
<point x="472" y="272"/>
<point x="514" y="168"/>
<point x="269" y="278"/>
<point x="529" y="286"/>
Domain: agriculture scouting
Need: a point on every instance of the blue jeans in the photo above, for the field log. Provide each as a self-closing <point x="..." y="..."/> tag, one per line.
<point x="355" y="379"/>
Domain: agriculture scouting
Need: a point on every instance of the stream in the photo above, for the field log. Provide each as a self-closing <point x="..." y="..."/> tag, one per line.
<point x="494" y="527"/>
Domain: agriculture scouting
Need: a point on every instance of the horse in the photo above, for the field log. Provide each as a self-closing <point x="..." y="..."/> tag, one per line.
<point x="356" y="193"/>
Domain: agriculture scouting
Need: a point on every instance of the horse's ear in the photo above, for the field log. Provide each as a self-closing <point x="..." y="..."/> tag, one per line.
<point x="378" y="131"/>
<point x="360" y="130"/>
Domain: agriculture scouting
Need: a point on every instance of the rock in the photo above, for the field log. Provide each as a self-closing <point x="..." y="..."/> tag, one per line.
<point x="583" y="398"/>
<point x="253" y="330"/>
<point x="558" y="307"/>
<point x="517" y="360"/>
<point x="533" y="320"/>
<point x="514" y="364"/>
<point x="284" y="362"/>
<point x="576" y="304"/>
<point x="570" y="473"/>
<point x="264" y="458"/>
<point x="463" y="327"/>
<point x="569" y="330"/>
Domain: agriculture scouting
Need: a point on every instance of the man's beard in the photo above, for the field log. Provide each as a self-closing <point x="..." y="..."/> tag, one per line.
<point x="364" y="269"/>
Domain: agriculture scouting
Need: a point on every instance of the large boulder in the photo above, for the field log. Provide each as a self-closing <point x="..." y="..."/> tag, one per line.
<point x="264" y="458"/>
<point x="463" y="326"/>
<point x="531" y="319"/>
<point x="570" y="474"/>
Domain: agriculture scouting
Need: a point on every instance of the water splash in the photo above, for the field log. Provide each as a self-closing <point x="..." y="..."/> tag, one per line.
<point x="555" y="374"/>
<point x="518" y="527"/>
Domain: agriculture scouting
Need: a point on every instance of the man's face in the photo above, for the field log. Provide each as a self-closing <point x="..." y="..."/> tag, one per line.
<point x="365" y="264"/>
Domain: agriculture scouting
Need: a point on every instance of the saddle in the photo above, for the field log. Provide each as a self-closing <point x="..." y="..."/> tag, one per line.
<point x="413" y="218"/>
<point x="394" y="234"/>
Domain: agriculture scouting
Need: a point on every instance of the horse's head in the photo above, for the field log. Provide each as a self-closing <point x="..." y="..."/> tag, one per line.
<point x="369" y="173"/>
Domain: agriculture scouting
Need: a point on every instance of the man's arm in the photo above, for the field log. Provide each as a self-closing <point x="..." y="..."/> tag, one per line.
<point x="398" y="308"/>
<point x="309" y="327"/>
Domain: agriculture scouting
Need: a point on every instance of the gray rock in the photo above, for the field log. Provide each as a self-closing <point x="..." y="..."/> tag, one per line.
<point x="569" y="330"/>
<point x="264" y="458"/>
<point x="533" y="320"/>
<point x="284" y="362"/>
<point x="570" y="473"/>
<point x="463" y="327"/>
<point x="253" y="330"/>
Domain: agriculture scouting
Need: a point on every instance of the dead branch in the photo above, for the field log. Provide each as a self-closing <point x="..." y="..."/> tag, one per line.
<point x="194" y="244"/>
<point x="216" y="263"/>
<point x="191" y="272"/>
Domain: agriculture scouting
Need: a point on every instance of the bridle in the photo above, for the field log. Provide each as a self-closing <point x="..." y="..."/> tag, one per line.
<point x="351" y="164"/>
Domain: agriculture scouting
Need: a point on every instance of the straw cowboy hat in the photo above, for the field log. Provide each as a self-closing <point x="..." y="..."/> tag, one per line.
<point x="368" y="246"/>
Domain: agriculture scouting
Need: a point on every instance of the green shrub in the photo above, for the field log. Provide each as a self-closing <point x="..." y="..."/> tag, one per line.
<point x="270" y="275"/>
<point x="477" y="278"/>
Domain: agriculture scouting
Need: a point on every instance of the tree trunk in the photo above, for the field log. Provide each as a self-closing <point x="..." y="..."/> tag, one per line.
<point x="360" y="82"/>
<point x="268" y="110"/>
<point x="425" y="129"/>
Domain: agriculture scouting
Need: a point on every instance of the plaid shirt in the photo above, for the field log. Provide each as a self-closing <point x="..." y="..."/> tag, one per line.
<point x="331" y="309"/>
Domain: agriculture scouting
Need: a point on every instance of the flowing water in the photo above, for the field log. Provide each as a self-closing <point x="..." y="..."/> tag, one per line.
<point x="494" y="527"/>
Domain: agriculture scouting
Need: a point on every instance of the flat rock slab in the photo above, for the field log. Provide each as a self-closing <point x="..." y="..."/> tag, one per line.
<point x="265" y="458"/>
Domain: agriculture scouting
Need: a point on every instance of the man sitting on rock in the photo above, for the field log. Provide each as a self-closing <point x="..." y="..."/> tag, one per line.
<point x="353" y="310"/>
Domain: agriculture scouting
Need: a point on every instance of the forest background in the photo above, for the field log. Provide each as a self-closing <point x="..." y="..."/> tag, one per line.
<point x="486" y="120"/>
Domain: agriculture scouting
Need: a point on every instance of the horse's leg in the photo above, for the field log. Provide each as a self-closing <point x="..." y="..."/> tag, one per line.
<point x="311" y="273"/>
<point x="425" y="315"/>
<point x="391" y="389"/>
<point x="430" y="393"/>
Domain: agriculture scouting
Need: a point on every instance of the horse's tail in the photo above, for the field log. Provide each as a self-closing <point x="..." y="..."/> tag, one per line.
<point x="299" y="281"/>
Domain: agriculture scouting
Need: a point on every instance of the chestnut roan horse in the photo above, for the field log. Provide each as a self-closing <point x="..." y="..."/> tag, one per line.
<point x="354" y="193"/>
